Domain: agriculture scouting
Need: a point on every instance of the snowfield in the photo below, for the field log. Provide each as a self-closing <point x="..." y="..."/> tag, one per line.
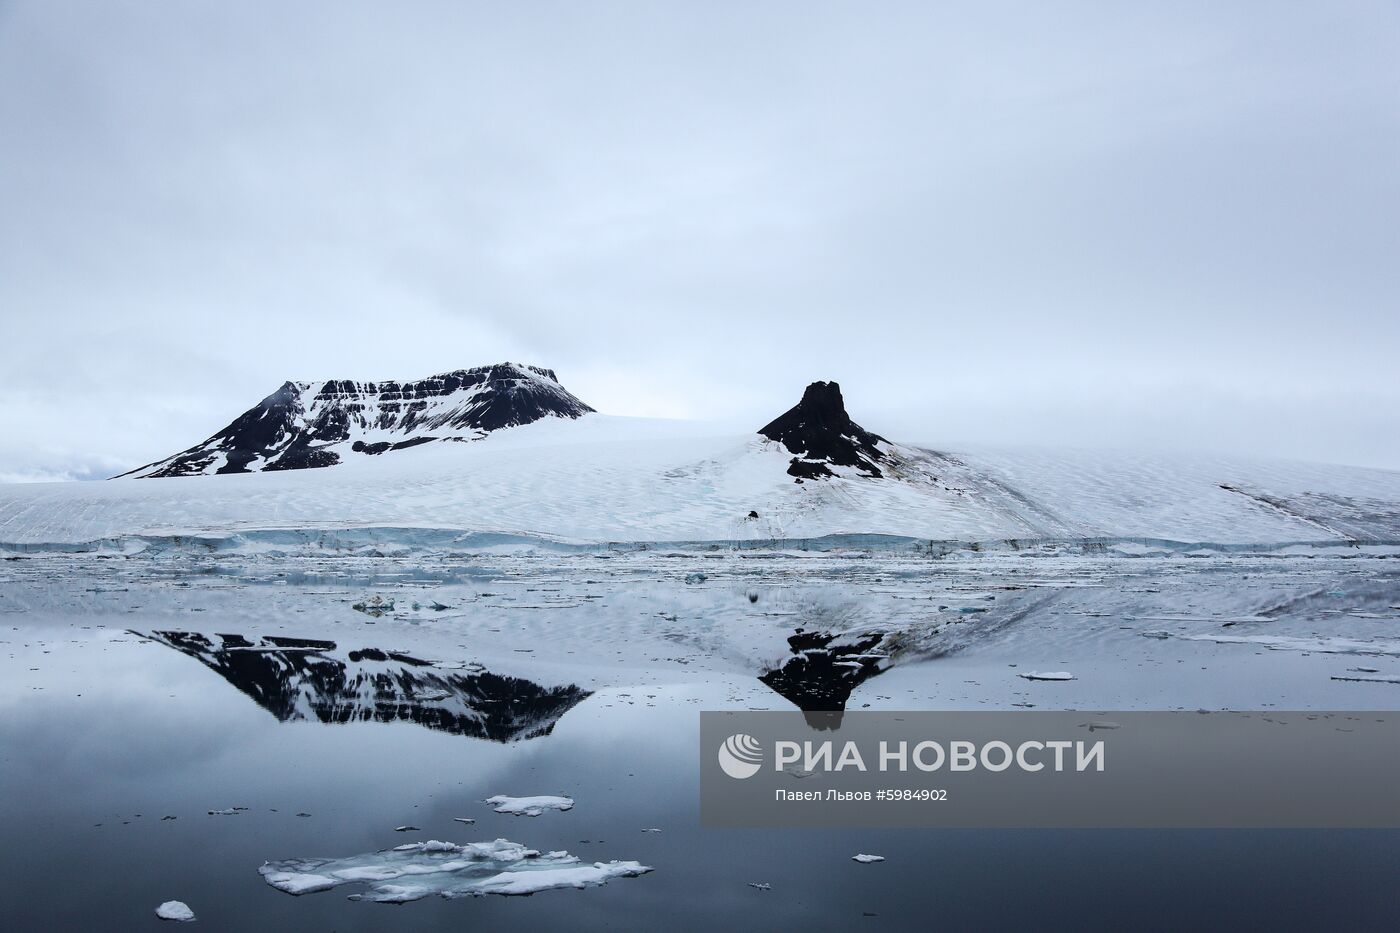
<point x="602" y="479"/>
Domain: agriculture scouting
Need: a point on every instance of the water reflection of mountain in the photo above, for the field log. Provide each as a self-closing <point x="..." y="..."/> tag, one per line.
<point x="823" y="671"/>
<point x="837" y="651"/>
<point x="298" y="679"/>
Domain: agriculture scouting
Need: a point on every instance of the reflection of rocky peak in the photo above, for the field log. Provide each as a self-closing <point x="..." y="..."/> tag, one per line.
<point x="823" y="671"/>
<point x="318" y="424"/>
<point x="821" y="435"/>
<point x="305" y="679"/>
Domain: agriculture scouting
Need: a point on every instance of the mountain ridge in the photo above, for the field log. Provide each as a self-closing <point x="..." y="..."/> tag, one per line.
<point x="309" y="425"/>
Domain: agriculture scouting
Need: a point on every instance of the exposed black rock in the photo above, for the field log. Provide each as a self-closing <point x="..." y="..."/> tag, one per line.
<point x="378" y="447"/>
<point x="822" y="435"/>
<point x="306" y="679"/>
<point x="306" y="425"/>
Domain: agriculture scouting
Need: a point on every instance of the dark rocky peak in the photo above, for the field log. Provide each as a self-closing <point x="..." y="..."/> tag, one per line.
<point x="317" y="424"/>
<point x="821" y="435"/>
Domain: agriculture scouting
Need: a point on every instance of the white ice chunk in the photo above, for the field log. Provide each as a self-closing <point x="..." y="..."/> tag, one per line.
<point x="1046" y="675"/>
<point x="410" y="872"/>
<point x="175" y="910"/>
<point x="1322" y="645"/>
<point x="529" y="806"/>
<point x="867" y="859"/>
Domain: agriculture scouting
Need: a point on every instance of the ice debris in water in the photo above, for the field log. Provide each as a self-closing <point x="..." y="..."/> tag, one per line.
<point x="409" y="872"/>
<point x="374" y="606"/>
<point x="405" y="829"/>
<point x="867" y="859"/>
<point x="760" y="885"/>
<point x="463" y="819"/>
<point x="1046" y="675"/>
<point x="693" y="578"/>
<point x="529" y="806"/>
<point x="175" y="910"/>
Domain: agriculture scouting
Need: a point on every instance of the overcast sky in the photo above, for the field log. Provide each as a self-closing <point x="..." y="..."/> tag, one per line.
<point x="1169" y="225"/>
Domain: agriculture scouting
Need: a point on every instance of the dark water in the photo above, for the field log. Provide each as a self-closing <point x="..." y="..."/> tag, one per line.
<point x="103" y="734"/>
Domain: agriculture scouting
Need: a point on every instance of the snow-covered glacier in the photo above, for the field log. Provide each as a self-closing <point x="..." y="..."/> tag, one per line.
<point x="590" y="480"/>
<point x="602" y="479"/>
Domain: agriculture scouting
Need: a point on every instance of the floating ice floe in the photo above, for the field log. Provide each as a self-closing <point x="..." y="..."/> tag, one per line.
<point x="1046" y="675"/>
<point x="417" y="870"/>
<point x="175" y="910"/>
<point x="1322" y="645"/>
<point x="405" y="829"/>
<point x="867" y="859"/>
<point x="463" y="819"/>
<point x="760" y="886"/>
<point x="529" y="806"/>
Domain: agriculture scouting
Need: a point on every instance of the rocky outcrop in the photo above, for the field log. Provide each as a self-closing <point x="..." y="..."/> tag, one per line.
<point x="821" y="435"/>
<point x="304" y="425"/>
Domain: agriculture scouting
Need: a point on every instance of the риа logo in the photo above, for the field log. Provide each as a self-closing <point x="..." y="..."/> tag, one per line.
<point x="740" y="756"/>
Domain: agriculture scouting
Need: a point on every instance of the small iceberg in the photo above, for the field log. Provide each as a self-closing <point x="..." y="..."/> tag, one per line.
<point x="867" y="859"/>
<point x="529" y="806"/>
<point x="175" y="910"/>
<point x="417" y="870"/>
<point x="1046" y="675"/>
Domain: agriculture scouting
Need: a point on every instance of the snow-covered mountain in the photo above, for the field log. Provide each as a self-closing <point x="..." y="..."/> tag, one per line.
<point x="305" y="425"/>
<point x="580" y="482"/>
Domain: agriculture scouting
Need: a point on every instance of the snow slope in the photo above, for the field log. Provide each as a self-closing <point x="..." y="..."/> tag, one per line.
<point x="605" y="479"/>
